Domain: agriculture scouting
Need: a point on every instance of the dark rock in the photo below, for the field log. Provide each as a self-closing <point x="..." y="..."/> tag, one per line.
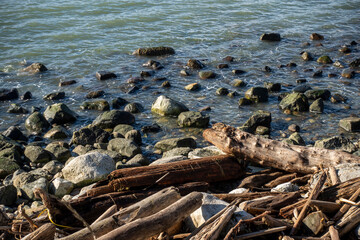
<point x="60" y="153"/>
<point x="6" y="94"/>
<point x="135" y="80"/>
<point x="90" y="135"/>
<point x="317" y="106"/>
<point x="228" y="58"/>
<point x="134" y="108"/>
<point x="14" y="133"/>
<point x="125" y="147"/>
<point x="267" y="69"/>
<point x="37" y="154"/>
<point x="153" y="64"/>
<point x="15" y="108"/>
<point x="272" y="87"/>
<point x="110" y="119"/>
<point x="238" y="71"/>
<point x="207" y="74"/>
<point x="295" y="102"/>
<point x="257" y="94"/>
<point x="238" y="83"/>
<point x="138" y="159"/>
<point x="317" y="74"/>
<point x="8" y="195"/>
<point x="192" y="87"/>
<point x="195" y="64"/>
<point x="36" y="123"/>
<point x="35" y="68"/>
<point x="54" y="96"/>
<point x="222" y="91"/>
<point x="318" y="93"/>
<point x="273" y="37"/>
<point x="316" y="36"/>
<point x="128" y="88"/>
<point x="67" y="83"/>
<point x="184" y="73"/>
<point x="355" y="63"/>
<point x="154" y="51"/>
<point x="259" y="118"/>
<point x="7" y="167"/>
<point x="232" y="94"/>
<point x="193" y="119"/>
<point x="104" y="75"/>
<point x="154" y="128"/>
<point x="337" y="98"/>
<point x="353" y="43"/>
<point x="100" y="105"/>
<point x="168" y="144"/>
<point x="59" y="113"/>
<point x="135" y="136"/>
<point x="57" y="132"/>
<point x="166" y="84"/>
<point x="350" y="124"/>
<point x="306" y="56"/>
<point x="26" y="96"/>
<point x="337" y="142"/>
<point x="261" y="130"/>
<point x="245" y="102"/>
<point x="301" y="80"/>
<point x="294" y="128"/>
<point x="324" y="59"/>
<point x="348" y="73"/>
<point x="123" y="129"/>
<point x="332" y="75"/>
<point x="222" y="65"/>
<point x="291" y="64"/>
<point x="146" y="74"/>
<point x="95" y="94"/>
<point x="118" y="102"/>
<point x="295" y="139"/>
<point x="345" y="49"/>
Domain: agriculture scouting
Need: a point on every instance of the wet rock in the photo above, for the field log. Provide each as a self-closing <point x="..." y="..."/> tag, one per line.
<point x="317" y="74"/>
<point x="15" y="108"/>
<point x="104" y="75"/>
<point x="139" y="159"/>
<point x="195" y="64"/>
<point x="348" y="73"/>
<point x="315" y="222"/>
<point x="81" y="150"/>
<point x="184" y="73"/>
<point x="267" y="69"/>
<point x="95" y="94"/>
<point x="118" y="102"/>
<point x="37" y="154"/>
<point x="15" y="133"/>
<point x="272" y="37"/>
<point x="337" y="142"/>
<point x="306" y="56"/>
<point x="11" y="154"/>
<point x="180" y="151"/>
<point x="90" y="135"/>
<point x="295" y="102"/>
<point x="125" y="147"/>
<point x="257" y="94"/>
<point x="232" y="94"/>
<point x="259" y="118"/>
<point x="339" y="64"/>
<point x="134" y="108"/>
<point x="317" y="106"/>
<point x="222" y="91"/>
<point x="294" y="128"/>
<point x="123" y="129"/>
<point x="168" y="144"/>
<point x="261" y="130"/>
<point x="222" y="65"/>
<point x="166" y="84"/>
<point x="7" y="166"/>
<point x="8" y="94"/>
<point x="60" y="187"/>
<point x="114" y="155"/>
<point x="35" y="68"/>
<point x="355" y="63"/>
<point x="153" y="64"/>
<point x="350" y="124"/>
<point x="193" y="119"/>
<point x="272" y="87"/>
<point x="135" y="80"/>
<point x="100" y="105"/>
<point x="110" y="119"/>
<point x="36" y="123"/>
<point x="54" y="96"/>
<point x="316" y="36"/>
<point x="165" y="106"/>
<point x="207" y="74"/>
<point x="245" y="102"/>
<point x="301" y="88"/>
<point x="135" y="136"/>
<point x="154" y="128"/>
<point x="8" y="195"/>
<point x="53" y="167"/>
<point x="337" y="98"/>
<point x="26" y="96"/>
<point x="59" y="113"/>
<point x="291" y="65"/>
<point x="67" y="83"/>
<point x="318" y="93"/>
<point x="192" y="87"/>
<point x="295" y="139"/>
<point x="345" y="49"/>
<point x="88" y="168"/>
<point x="145" y="74"/>
<point x="154" y="51"/>
<point x="35" y="109"/>
<point x="60" y="153"/>
<point x="26" y="183"/>
<point x="205" y="109"/>
<point x="238" y="83"/>
<point x="285" y="187"/>
<point x="301" y="80"/>
<point x="324" y="59"/>
<point x="238" y="71"/>
<point x="168" y="160"/>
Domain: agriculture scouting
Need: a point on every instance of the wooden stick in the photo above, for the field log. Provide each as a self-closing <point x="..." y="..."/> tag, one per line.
<point x="333" y="176"/>
<point x="346" y="207"/>
<point x="334" y="234"/>
<point x="349" y="202"/>
<point x="314" y="194"/>
<point x="261" y="233"/>
<point x="45" y="232"/>
<point x="325" y="206"/>
<point x="108" y="213"/>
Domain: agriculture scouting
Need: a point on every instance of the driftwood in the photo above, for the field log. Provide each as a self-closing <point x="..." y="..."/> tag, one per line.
<point x="244" y="196"/>
<point x="208" y="169"/>
<point x="281" y="179"/>
<point x="259" y="179"/>
<point x="159" y="222"/>
<point x="45" y="232"/>
<point x="146" y="207"/>
<point x="271" y="153"/>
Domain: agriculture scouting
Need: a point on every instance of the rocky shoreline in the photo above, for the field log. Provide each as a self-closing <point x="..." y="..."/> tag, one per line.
<point x="67" y="169"/>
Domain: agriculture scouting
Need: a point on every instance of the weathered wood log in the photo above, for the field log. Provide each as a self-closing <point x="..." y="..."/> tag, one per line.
<point x="325" y="206"/>
<point x="244" y="196"/>
<point x="146" y="207"/>
<point x="280" y="180"/>
<point x="45" y="232"/>
<point x="342" y="190"/>
<point x="208" y="169"/>
<point x="346" y="207"/>
<point x="259" y="179"/>
<point x="334" y="234"/>
<point x="159" y="222"/>
<point x="271" y="153"/>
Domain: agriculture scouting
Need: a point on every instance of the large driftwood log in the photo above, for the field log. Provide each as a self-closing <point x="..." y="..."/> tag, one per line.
<point x="45" y="232"/>
<point x="147" y="227"/>
<point x="276" y="154"/>
<point x="208" y="169"/>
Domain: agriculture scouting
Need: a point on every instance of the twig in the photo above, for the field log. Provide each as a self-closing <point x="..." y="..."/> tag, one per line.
<point x="349" y="202"/>
<point x="261" y="233"/>
<point x="346" y="207"/>
<point x="33" y="226"/>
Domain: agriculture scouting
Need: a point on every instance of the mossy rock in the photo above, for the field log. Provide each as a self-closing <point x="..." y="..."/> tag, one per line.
<point x="324" y="59"/>
<point x="295" y="102"/>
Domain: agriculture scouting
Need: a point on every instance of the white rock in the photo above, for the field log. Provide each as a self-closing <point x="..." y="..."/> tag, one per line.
<point x="60" y="187"/>
<point x="169" y="160"/>
<point x="285" y="187"/>
<point x="205" y="152"/>
<point x="212" y="205"/>
<point x="88" y="168"/>
<point x="239" y="190"/>
<point x="165" y="106"/>
<point x="84" y="190"/>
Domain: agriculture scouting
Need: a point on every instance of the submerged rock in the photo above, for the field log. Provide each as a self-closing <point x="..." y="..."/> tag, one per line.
<point x="316" y="36"/>
<point x="100" y="105"/>
<point x="318" y="93"/>
<point x="193" y="119"/>
<point x="195" y="64"/>
<point x="355" y="63"/>
<point x="35" y="68"/>
<point x="8" y="94"/>
<point x="306" y="56"/>
<point x="295" y="102"/>
<point x="348" y="73"/>
<point x="257" y="94"/>
<point x="350" y="124"/>
<point x="192" y="87"/>
<point x="154" y="51"/>
<point x="15" y="108"/>
<point x="54" y="96"/>
<point x="95" y="94"/>
<point x="272" y="87"/>
<point x="167" y="107"/>
<point x="36" y="123"/>
<point x="245" y="102"/>
<point x="59" y="113"/>
<point x="238" y="83"/>
<point x="104" y="75"/>
<point x="273" y="37"/>
<point x="222" y="91"/>
<point x="259" y="118"/>
<point x="207" y="74"/>
<point x="324" y="59"/>
<point x="118" y="102"/>
<point x="337" y="142"/>
<point x="110" y="119"/>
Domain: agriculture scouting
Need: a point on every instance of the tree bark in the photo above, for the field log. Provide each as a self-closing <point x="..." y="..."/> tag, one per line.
<point x="45" y="232"/>
<point x="159" y="222"/>
<point x="271" y="153"/>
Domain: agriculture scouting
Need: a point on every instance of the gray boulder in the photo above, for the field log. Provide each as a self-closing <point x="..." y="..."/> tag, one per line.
<point x="257" y="94"/>
<point x="8" y="195"/>
<point x="138" y="159"/>
<point x="88" y="168"/>
<point x="53" y="167"/>
<point x="100" y="105"/>
<point x="114" y="155"/>
<point x="15" y="133"/>
<point x="205" y="152"/>
<point x="135" y="136"/>
<point x="317" y="106"/>
<point x="350" y="124"/>
<point x="181" y="151"/>
<point x="59" y="113"/>
<point x="110" y="119"/>
<point x="295" y="139"/>
<point x="259" y="118"/>
<point x="125" y="147"/>
<point x="7" y="166"/>
<point x="37" y="154"/>
<point x="90" y="135"/>
<point x="26" y="183"/>
<point x="318" y="93"/>
<point x="57" y="132"/>
<point x="123" y="129"/>
<point x="60" y="187"/>
<point x="134" y="108"/>
<point x="36" y="123"/>
<point x="165" y="106"/>
<point x="168" y="160"/>
<point x="193" y="119"/>
<point x="295" y="102"/>
<point x="337" y="142"/>
<point x="168" y="144"/>
<point x="61" y="153"/>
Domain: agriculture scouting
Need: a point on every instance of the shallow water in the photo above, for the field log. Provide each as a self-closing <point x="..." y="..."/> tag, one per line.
<point x="74" y="39"/>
